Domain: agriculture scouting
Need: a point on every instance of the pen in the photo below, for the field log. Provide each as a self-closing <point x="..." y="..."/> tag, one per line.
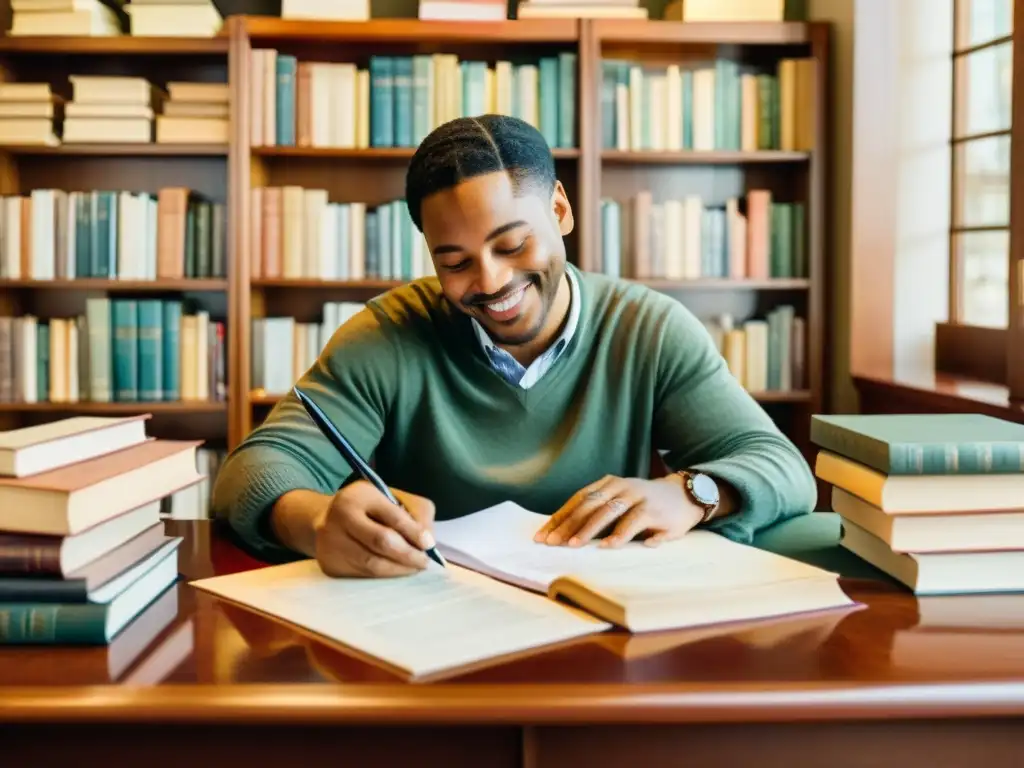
<point x="344" y="447"/>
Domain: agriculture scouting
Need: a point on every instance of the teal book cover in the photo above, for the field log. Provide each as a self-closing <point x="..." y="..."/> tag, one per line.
<point x="925" y="443"/>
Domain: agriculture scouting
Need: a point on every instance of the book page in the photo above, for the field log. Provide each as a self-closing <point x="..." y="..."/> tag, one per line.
<point x="499" y="541"/>
<point x="435" y="620"/>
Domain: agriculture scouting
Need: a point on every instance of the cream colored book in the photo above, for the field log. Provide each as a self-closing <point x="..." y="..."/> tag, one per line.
<point x="700" y="579"/>
<point x="421" y="627"/>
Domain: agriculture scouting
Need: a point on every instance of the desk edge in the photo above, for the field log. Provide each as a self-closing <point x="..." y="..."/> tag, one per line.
<point x="438" y="704"/>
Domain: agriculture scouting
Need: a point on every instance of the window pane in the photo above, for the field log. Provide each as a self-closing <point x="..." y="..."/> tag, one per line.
<point x="984" y="269"/>
<point x="982" y="185"/>
<point x="984" y="81"/>
<point x="983" y="20"/>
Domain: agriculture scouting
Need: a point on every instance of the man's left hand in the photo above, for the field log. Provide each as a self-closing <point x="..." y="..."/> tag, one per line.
<point x="659" y="510"/>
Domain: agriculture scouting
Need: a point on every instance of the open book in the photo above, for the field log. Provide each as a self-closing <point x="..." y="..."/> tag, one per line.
<point x="697" y="580"/>
<point x="457" y="618"/>
<point x="419" y="626"/>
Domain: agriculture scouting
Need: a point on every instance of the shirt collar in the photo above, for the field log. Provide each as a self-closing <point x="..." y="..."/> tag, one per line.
<point x="564" y="337"/>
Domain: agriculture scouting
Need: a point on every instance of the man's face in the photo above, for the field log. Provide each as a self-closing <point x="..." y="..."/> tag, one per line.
<point x="499" y="257"/>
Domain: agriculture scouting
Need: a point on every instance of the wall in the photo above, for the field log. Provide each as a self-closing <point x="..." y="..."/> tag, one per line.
<point x="891" y="87"/>
<point x="840" y="14"/>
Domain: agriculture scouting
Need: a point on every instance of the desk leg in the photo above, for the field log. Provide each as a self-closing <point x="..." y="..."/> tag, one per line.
<point x="886" y="744"/>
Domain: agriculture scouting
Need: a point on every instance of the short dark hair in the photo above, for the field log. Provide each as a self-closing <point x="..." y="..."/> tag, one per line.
<point x="472" y="146"/>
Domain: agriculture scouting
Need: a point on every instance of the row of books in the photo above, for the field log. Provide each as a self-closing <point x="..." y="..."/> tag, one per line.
<point x="283" y="349"/>
<point x="765" y="354"/>
<point x="397" y="100"/>
<point x="81" y="567"/>
<point x="721" y="106"/>
<point x="108" y="109"/>
<point x="931" y="500"/>
<point x="753" y="237"/>
<point x="94" y="18"/>
<point x="298" y="233"/>
<point x="127" y="235"/>
<point x="120" y="350"/>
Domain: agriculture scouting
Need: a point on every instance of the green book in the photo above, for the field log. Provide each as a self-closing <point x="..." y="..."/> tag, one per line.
<point x="925" y="443"/>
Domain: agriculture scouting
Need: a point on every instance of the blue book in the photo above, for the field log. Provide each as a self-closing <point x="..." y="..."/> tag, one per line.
<point x="284" y="117"/>
<point x="382" y="101"/>
<point x="403" y="96"/>
<point x="124" y="321"/>
<point x="150" y="354"/>
<point x="170" y="344"/>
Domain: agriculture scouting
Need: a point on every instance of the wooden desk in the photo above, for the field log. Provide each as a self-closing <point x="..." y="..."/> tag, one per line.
<point x="904" y="682"/>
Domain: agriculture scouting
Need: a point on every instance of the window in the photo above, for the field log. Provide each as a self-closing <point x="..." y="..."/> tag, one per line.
<point x="981" y="138"/>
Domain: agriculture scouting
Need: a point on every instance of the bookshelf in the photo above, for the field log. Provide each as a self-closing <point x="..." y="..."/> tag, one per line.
<point x="352" y="172"/>
<point x="97" y="173"/>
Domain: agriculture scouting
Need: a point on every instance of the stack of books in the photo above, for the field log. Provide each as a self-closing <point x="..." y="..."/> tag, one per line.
<point x="936" y="501"/>
<point x="28" y="113"/>
<point x="110" y="109"/>
<point x="194" y="113"/>
<point x="82" y="18"/>
<point x="174" y="18"/>
<point x="82" y="550"/>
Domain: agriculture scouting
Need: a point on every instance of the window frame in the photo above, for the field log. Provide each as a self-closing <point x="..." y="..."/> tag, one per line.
<point x="986" y="353"/>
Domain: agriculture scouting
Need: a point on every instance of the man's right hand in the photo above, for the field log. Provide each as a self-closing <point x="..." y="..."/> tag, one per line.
<point x="363" y="534"/>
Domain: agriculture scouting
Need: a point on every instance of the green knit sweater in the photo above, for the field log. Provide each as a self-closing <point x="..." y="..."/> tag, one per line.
<point x="407" y="382"/>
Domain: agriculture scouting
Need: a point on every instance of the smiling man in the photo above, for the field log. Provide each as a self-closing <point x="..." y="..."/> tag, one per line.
<point x="510" y="375"/>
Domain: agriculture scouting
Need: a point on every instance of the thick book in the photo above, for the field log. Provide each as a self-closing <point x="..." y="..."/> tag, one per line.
<point x="58" y="556"/>
<point x="939" y="532"/>
<point x="939" y="573"/>
<point x="71" y="499"/>
<point x="89" y="623"/>
<point x="515" y="596"/>
<point x="921" y="494"/>
<point x="98" y="582"/>
<point x="697" y="580"/>
<point x="924" y="443"/>
<point x="43" y="447"/>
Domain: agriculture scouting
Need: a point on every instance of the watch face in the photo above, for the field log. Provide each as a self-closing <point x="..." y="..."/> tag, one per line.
<point x="704" y="488"/>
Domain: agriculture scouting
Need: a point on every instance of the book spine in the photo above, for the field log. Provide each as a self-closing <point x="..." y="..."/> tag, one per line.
<point x="29" y="557"/>
<point x="126" y="362"/>
<point x="170" y="346"/>
<point x="549" y="100"/>
<point x="382" y="102"/>
<point x="19" y="589"/>
<point x="150" y="352"/>
<point x="52" y="624"/>
<point x="403" y="97"/>
<point x="286" y="67"/>
<point x="567" y="100"/>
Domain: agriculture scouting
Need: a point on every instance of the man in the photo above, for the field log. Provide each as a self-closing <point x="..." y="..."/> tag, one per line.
<point x="511" y="375"/>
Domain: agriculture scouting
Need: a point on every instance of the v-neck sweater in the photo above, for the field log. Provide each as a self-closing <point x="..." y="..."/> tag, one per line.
<point x="407" y="383"/>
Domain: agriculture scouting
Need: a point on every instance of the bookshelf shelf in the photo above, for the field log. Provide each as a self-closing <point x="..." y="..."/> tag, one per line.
<point x="724" y="284"/>
<point x="263" y="30"/>
<point x="120" y="150"/>
<point x="115" y="286"/>
<point x="369" y="153"/>
<point x="633" y="31"/>
<point x="119" y="46"/>
<point x="179" y="407"/>
<point x="612" y="157"/>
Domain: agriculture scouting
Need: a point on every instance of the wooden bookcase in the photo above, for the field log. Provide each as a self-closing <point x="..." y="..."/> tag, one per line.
<point x="115" y="167"/>
<point x="377" y="175"/>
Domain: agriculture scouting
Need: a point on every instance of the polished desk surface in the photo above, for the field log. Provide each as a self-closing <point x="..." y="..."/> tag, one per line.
<point x="899" y="656"/>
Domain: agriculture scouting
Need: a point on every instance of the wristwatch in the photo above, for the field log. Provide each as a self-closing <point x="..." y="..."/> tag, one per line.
<point x="704" y="492"/>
